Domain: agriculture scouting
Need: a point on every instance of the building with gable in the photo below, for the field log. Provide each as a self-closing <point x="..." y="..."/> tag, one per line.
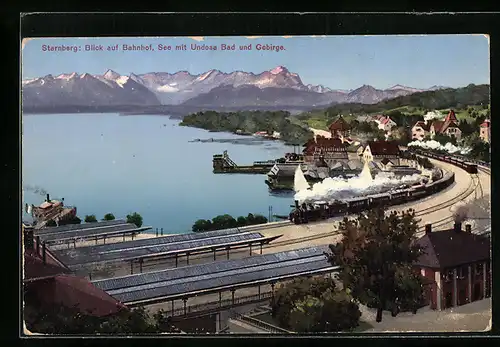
<point x="329" y="150"/>
<point x="340" y="128"/>
<point x="457" y="266"/>
<point x="383" y="153"/>
<point x="448" y="126"/>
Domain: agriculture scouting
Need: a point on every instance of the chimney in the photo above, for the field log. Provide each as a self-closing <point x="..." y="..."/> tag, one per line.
<point x="428" y="228"/>
<point x="457" y="227"/>
<point x="48" y="199"/>
<point x="296" y="204"/>
<point x="44" y="253"/>
<point x="38" y="244"/>
<point x="468" y="228"/>
<point x="28" y="238"/>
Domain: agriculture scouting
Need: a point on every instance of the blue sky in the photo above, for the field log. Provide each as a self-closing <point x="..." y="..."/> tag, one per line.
<point x="339" y="62"/>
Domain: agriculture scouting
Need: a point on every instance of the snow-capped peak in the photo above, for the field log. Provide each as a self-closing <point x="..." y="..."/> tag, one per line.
<point x="278" y="69"/>
<point x="111" y="75"/>
<point x="121" y="80"/>
<point x="401" y="87"/>
<point x="204" y="76"/>
<point x="67" y="76"/>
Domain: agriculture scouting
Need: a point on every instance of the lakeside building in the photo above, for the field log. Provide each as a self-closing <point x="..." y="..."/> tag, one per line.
<point x="448" y="126"/>
<point x="457" y="266"/>
<point x="382" y="153"/>
<point x="485" y="131"/>
<point x="331" y="150"/>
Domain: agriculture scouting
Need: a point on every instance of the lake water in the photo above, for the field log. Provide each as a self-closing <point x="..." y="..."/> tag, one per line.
<point x="104" y="163"/>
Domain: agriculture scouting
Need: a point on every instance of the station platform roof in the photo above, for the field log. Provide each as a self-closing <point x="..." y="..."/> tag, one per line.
<point x="195" y="280"/>
<point x="167" y="246"/>
<point x="91" y="233"/>
<point x="75" y="227"/>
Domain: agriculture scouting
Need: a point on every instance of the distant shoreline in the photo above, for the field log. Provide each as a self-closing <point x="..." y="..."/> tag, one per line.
<point x="174" y="111"/>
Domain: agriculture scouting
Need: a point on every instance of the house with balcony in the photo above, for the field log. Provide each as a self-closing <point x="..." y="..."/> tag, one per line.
<point x="456" y="265"/>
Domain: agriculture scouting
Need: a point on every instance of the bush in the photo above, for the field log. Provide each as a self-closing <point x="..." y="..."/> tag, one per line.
<point x="109" y="216"/>
<point x="314" y="305"/>
<point x="226" y="221"/>
<point x="135" y="218"/>
<point x="90" y="219"/>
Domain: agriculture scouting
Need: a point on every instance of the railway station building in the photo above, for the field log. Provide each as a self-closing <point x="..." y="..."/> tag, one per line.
<point x="457" y="266"/>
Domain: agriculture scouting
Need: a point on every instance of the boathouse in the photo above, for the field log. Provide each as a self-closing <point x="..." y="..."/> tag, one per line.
<point x="457" y="264"/>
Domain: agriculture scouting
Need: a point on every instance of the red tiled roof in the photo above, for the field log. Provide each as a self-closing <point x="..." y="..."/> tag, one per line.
<point x="446" y="249"/>
<point x="384" y="147"/>
<point x="339" y="124"/>
<point x="437" y="124"/>
<point x="324" y="142"/>
<point x="485" y="124"/>
<point x="423" y="125"/>
<point x="77" y="292"/>
<point x="34" y="268"/>
<point x="451" y="117"/>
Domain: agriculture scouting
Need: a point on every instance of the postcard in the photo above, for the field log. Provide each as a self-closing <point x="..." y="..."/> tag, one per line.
<point x="256" y="185"/>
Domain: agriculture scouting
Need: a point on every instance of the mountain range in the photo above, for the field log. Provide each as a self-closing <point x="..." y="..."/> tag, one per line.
<point x="212" y="89"/>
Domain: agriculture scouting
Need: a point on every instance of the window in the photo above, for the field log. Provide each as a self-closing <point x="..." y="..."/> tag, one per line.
<point x="479" y="269"/>
<point x="447" y="275"/>
<point x="462" y="272"/>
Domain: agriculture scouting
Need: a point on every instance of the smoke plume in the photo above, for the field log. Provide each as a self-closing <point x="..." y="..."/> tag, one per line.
<point x="432" y="115"/>
<point x="448" y="147"/>
<point x="35" y="189"/>
<point x="337" y="188"/>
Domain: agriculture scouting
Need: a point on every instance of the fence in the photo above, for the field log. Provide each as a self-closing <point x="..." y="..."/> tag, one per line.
<point x="220" y="305"/>
<point x="260" y="324"/>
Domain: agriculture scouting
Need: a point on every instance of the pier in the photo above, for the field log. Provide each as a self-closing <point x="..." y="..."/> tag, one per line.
<point x="223" y="164"/>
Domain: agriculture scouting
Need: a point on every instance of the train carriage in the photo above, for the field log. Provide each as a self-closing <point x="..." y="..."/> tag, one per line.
<point x="356" y="205"/>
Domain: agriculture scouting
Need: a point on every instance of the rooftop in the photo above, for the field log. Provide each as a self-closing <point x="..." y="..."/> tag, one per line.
<point x="445" y="249"/>
<point x="384" y="147"/>
<point x="158" y="246"/>
<point x="210" y="278"/>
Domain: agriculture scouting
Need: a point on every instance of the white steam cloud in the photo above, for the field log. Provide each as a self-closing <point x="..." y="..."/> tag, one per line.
<point x="433" y="115"/>
<point x="338" y="188"/>
<point x="448" y="147"/>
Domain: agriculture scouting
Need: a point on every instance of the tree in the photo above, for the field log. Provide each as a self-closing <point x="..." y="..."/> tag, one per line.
<point x="202" y="225"/>
<point x="259" y="219"/>
<point x="241" y="221"/>
<point x="287" y="295"/>
<point x="224" y="221"/>
<point x="315" y="305"/>
<point x="374" y="248"/>
<point x="109" y="216"/>
<point x="90" y="218"/>
<point x="135" y="218"/>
